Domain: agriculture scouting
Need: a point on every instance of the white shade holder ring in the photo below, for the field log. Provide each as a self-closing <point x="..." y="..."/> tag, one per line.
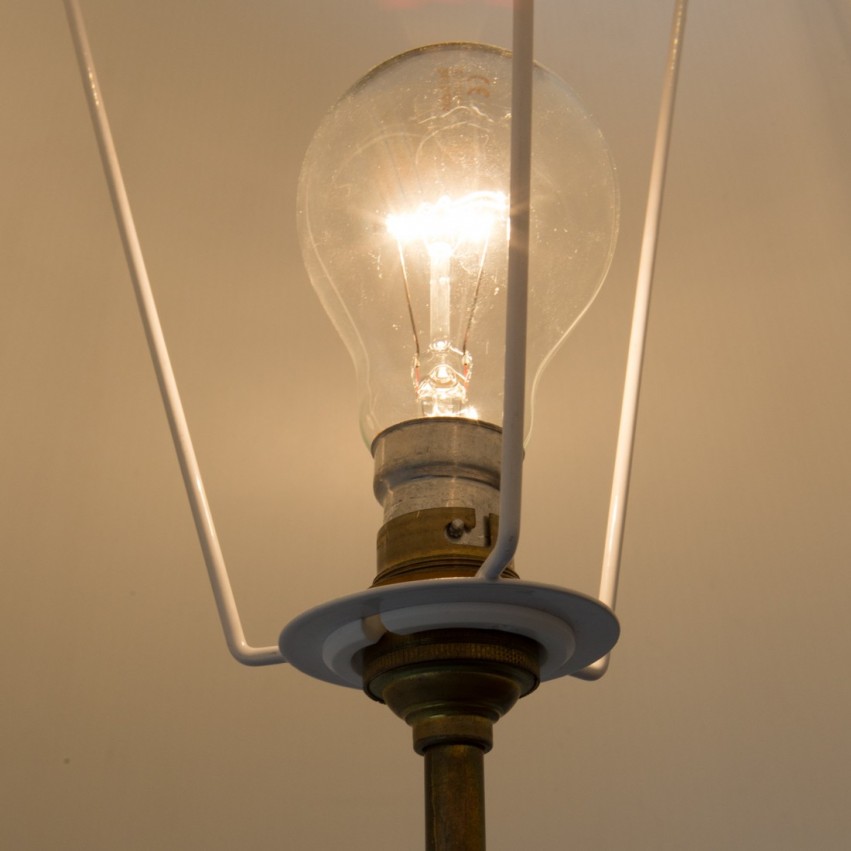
<point x="574" y="630"/>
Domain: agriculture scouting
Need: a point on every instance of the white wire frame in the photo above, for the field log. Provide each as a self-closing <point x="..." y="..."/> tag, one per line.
<point x="512" y="459"/>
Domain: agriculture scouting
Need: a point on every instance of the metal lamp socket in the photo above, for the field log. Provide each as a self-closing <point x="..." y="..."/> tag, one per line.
<point x="438" y="482"/>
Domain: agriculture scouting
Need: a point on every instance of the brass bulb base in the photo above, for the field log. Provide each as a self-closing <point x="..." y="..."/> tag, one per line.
<point x="438" y="482"/>
<point x="427" y="544"/>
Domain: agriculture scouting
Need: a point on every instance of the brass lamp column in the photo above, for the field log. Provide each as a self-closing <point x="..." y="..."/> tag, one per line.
<point x="438" y="481"/>
<point x="451" y="686"/>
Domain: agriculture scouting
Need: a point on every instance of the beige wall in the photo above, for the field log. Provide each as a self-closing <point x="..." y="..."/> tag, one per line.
<point x="124" y="725"/>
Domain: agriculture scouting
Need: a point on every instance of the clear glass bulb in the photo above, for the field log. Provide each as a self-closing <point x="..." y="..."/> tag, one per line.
<point x="403" y="221"/>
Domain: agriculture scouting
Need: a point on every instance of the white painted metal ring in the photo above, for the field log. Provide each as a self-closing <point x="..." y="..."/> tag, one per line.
<point x="572" y="629"/>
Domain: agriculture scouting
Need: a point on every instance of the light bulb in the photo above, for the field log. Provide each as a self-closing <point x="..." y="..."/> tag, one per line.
<point x="403" y="221"/>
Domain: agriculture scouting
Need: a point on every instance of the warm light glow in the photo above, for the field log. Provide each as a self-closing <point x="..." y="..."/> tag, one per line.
<point x="450" y="238"/>
<point x="470" y="219"/>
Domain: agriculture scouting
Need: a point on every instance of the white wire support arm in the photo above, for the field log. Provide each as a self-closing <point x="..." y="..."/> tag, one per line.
<point x="511" y="477"/>
<point x="635" y="357"/>
<point x="241" y="650"/>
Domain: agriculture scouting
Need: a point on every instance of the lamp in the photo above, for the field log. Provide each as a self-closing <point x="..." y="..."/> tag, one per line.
<point x="404" y="225"/>
<point x="447" y="649"/>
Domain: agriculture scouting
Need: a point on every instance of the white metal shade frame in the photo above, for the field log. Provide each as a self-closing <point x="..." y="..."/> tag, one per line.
<point x="576" y="632"/>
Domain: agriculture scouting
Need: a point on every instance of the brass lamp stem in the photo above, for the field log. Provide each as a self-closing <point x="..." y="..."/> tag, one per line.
<point x="451" y="686"/>
<point x="453" y="820"/>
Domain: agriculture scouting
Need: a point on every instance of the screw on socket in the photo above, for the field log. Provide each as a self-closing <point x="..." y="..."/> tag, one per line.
<point x="455" y="529"/>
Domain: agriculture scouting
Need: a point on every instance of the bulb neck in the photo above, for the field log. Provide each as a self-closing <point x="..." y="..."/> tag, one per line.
<point x="438" y="482"/>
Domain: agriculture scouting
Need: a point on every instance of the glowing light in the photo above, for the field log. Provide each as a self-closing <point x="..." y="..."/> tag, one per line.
<point x="470" y="219"/>
<point x="455" y="236"/>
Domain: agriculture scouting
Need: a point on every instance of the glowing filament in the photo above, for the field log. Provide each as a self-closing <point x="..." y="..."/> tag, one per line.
<point x="453" y="238"/>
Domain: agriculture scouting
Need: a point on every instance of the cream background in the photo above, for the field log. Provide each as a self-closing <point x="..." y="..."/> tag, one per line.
<point x="723" y="722"/>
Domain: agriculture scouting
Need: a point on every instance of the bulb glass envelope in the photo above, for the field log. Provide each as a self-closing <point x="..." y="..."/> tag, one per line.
<point x="403" y="220"/>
